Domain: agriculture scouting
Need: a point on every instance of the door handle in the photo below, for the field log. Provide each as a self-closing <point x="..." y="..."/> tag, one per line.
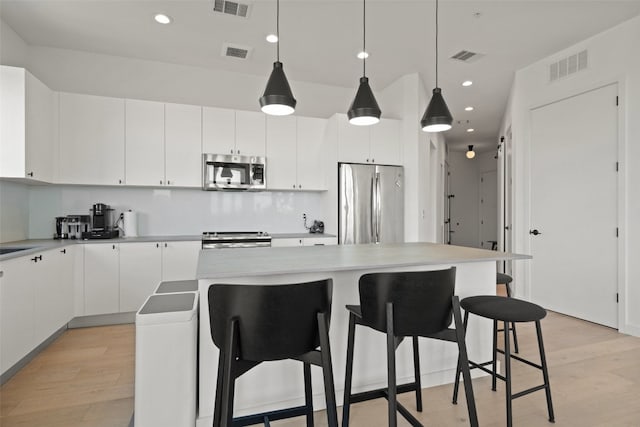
<point x="535" y="232"/>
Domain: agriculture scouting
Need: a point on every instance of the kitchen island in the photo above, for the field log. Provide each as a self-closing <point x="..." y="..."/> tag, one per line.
<point x="279" y="385"/>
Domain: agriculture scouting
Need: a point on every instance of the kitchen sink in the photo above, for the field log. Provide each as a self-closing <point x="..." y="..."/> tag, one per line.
<point x="4" y="251"/>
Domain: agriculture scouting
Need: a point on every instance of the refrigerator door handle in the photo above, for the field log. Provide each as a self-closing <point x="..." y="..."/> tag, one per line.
<point x="374" y="206"/>
<point x="377" y="211"/>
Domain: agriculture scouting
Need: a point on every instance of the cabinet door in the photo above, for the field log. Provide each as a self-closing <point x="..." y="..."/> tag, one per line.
<point x="218" y="130"/>
<point x="310" y="153"/>
<point x="17" y="322"/>
<point x="180" y="260"/>
<point x="250" y="133"/>
<point x="281" y="152"/>
<point x="39" y="131"/>
<point x="386" y="142"/>
<point x="101" y="277"/>
<point x="91" y="140"/>
<point x="353" y="141"/>
<point x="286" y="242"/>
<point x="183" y="145"/>
<point x="53" y="284"/>
<point x="140" y="267"/>
<point x="319" y="241"/>
<point x="144" y="142"/>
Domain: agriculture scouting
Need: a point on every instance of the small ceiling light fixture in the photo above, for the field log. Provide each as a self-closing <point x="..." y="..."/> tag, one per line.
<point x="364" y="109"/>
<point x="467" y="83"/>
<point x="470" y="130"/>
<point x="161" y="18"/>
<point x="437" y="117"/>
<point x="278" y="99"/>
<point x="272" y="38"/>
<point x="468" y="108"/>
<point x="470" y="153"/>
<point x="363" y="55"/>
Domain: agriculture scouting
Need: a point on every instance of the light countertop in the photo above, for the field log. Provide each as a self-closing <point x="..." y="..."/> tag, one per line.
<point x="313" y="259"/>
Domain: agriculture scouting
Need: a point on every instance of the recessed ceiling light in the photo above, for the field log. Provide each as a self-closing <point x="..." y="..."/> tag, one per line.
<point x="467" y="83"/>
<point x="363" y="55"/>
<point x="468" y="108"/>
<point x="470" y="130"/>
<point x="272" y="38"/>
<point x="162" y="18"/>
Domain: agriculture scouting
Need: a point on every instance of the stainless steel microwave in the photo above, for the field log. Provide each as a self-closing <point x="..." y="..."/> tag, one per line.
<point x="229" y="172"/>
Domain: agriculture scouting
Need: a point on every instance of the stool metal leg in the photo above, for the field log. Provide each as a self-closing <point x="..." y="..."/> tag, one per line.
<point x="327" y="371"/>
<point x="348" y="371"/>
<point x="217" y="409"/>
<point x="228" y="379"/>
<point x="507" y="373"/>
<point x="308" y="395"/>
<point x="391" y="368"/>
<point x="464" y="363"/>
<point x="513" y="325"/>
<point x="545" y="372"/>
<point x="456" y="383"/>
<point x="495" y="355"/>
<point x="416" y="370"/>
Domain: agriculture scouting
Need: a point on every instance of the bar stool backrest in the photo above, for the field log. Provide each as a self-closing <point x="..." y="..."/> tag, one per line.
<point x="275" y="321"/>
<point x="421" y="300"/>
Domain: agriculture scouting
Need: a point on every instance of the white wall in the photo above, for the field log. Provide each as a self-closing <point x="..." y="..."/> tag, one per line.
<point x="13" y="50"/>
<point x="14" y="211"/>
<point x="612" y="58"/>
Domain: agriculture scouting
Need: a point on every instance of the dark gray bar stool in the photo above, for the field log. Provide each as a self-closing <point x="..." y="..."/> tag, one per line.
<point x="251" y="324"/>
<point x="406" y="304"/>
<point x="505" y="279"/>
<point x="507" y="310"/>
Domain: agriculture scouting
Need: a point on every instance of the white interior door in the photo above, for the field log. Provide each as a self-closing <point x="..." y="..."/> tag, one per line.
<point x="488" y="209"/>
<point x="574" y="206"/>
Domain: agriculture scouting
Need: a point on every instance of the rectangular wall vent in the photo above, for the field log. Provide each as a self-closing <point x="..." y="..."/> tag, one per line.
<point x="231" y="8"/>
<point x="568" y="66"/>
<point x="467" y="56"/>
<point x="236" y="51"/>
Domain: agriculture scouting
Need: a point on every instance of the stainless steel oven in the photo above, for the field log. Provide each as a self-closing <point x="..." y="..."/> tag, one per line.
<point x="229" y="172"/>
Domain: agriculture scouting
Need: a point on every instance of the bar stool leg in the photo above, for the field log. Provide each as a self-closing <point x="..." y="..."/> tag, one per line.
<point x="495" y="355"/>
<point x="456" y="383"/>
<point x="327" y="371"/>
<point x="391" y="368"/>
<point x="217" y="410"/>
<point x="416" y="370"/>
<point x="507" y="373"/>
<point x="308" y="396"/>
<point x="513" y="325"/>
<point x="228" y="379"/>
<point x="348" y="371"/>
<point x="464" y="363"/>
<point x="545" y="372"/>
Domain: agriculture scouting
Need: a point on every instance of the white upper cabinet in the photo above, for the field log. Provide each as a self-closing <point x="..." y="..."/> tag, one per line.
<point x="310" y="153"/>
<point x="379" y="143"/>
<point x="281" y="152"/>
<point x="91" y="139"/>
<point x="28" y="109"/>
<point x="227" y="131"/>
<point x="183" y="145"/>
<point x="144" y="142"/>
<point x="250" y="133"/>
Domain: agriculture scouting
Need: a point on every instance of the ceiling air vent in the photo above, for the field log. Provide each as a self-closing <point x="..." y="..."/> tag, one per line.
<point x="236" y="51"/>
<point x="568" y="66"/>
<point x="231" y="8"/>
<point x="467" y="56"/>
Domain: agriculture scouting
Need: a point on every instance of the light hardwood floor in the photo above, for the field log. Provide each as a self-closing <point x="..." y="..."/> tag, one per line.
<point x="85" y="379"/>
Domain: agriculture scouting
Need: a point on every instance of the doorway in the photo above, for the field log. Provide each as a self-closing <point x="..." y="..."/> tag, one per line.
<point x="574" y="200"/>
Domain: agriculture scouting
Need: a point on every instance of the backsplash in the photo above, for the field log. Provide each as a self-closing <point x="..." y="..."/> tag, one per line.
<point x="177" y="211"/>
<point x="14" y="211"/>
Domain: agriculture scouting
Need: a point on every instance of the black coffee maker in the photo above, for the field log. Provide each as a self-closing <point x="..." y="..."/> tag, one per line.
<point x="101" y="223"/>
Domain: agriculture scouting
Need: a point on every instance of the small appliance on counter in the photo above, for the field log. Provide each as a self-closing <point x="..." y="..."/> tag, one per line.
<point x="316" y="228"/>
<point x="101" y="223"/>
<point x="71" y="226"/>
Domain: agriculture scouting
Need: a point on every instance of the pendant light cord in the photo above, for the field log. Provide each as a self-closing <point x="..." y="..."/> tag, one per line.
<point x="436" y="43"/>
<point x="278" y="29"/>
<point x="364" y="38"/>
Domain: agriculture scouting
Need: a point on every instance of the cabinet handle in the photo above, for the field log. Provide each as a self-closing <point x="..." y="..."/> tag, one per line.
<point x="165" y="245"/>
<point x="30" y="174"/>
<point x="114" y="246"/>
<point x="119" y="181"/>
<point x="373" y="160"/>
<point x="1" y="273"/>
<point x="168" y="182"/>
<point x="157" y="245"/>
<point x="367" y="160"/>
<point x="232" y="151"/>
<point x="294" y="186"/>
<point x="64" y="251"/>
<point x="37" y="258"/>
<point x="160" y="182"/>
<point x="299" y="185"/>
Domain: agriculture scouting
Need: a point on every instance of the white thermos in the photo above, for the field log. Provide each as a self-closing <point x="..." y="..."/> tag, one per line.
<point x="130" y="224"/>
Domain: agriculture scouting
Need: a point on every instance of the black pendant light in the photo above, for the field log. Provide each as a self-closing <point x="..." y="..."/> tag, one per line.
<point x="277" y="99"/>
<point x="364" y="109"/>
<point x="470" y="153"/>
<point x="437" y="117"/>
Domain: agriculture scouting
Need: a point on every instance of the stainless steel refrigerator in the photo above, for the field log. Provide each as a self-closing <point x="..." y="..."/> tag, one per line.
<point x="370" y="204"/>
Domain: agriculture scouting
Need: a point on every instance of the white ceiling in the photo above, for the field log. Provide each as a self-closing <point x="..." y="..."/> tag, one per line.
<point x="320" y="38"/>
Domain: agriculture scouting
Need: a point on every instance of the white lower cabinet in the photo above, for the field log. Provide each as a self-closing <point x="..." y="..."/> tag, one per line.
<point x="101" y="278"/>
<point x="140" y="268"/>
<point x="17" y="321"/>
<point x="180" y="260"/>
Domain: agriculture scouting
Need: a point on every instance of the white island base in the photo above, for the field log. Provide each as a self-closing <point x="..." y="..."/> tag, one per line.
<point x="277" y="385"/>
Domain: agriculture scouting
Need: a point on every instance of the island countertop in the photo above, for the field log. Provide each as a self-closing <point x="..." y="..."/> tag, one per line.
<point x="220" y="263"/>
